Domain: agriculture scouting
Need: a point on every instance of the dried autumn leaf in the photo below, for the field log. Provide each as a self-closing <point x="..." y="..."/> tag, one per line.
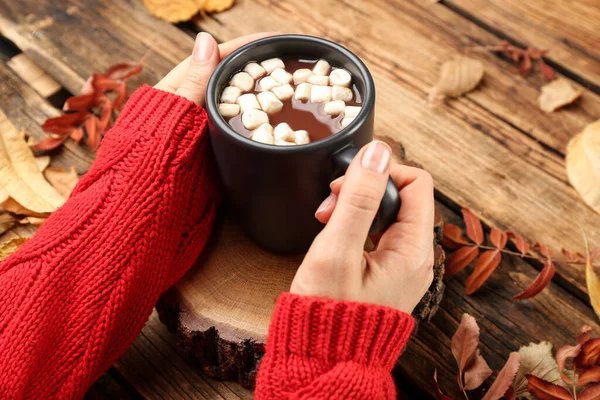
<point x="590" y="375"/>
<point x="214" y="6"/>
<point x="476" y="372"/>
<point x="536" y="359"/>
<point x="592" y="281"/>
<point x="49" y="143"/>
<point x="519" y="242"/>
<point x="510" y="394"/>
<point x="453" y="237"/>
<point x="486" y="264"/>
<point x="474" y="228"/>
<point x="440" y="395"/>
<point x="525" y="65"/>
<point x="457" y="77"/>
<point x="585" y="334"/>
<point x="124" y="70"/>
<point x="540" y="282"/>
<point x="545" y="390"/>
<point x="121" y="96"/>
<point x="83" y="102"/>
<point x="33" y="221"/>
<point x="91" y="128"/>
<point x="458" y="260"/>
<point x="174" y="10"/>
<point x="64" y="124"/>
<point x="7" y="248"/>
<point x="547" y="70"/>
<point x="77" y="134"/>
<point x="590" y="353"/>
<point x="562" y="355"/>
<point x="505" y="378"/>
<point x="465" y="341"/>
<point x="570" y="256"/>
<point x="104" y="122"/>
<point x="557" y="94"/>
<point x="63" y="181"/>
<point x="498" y="238"/>
<point x="7" y="221"/>
<point x="590" y="393"/>
<point x="42" y="162"/>
<point x="543" y="249"/>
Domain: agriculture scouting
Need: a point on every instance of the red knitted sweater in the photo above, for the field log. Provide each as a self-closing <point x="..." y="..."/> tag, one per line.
<point x="76" y="295"/>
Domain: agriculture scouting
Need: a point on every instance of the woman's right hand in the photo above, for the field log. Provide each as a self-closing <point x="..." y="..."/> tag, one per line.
<point x="400" y="270"/>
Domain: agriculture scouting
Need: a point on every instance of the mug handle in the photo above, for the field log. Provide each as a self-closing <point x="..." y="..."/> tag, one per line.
<point x="390" y="204"/>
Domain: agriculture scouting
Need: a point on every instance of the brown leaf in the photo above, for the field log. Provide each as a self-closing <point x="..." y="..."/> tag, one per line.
<point x="547" y="70"/>
<point x="77" y="134"/>
<point x="49" y="143"/>
<point x="104" y="122"/>
<point x="590" y="375"/>
<point x="213" y="6"/>
<point x="124" y="70"/>
<point x="557" y="94"/>
<point x="440" y="395"/>
<point x="590" y="393"/>
<point x="458" y="260"/>
<point x="498" y="238"/>
<point x="543" y="249"/>
<point x="583" y="164"/>
<point x="36" y="221"/>
<point x="91" y="125"/>
<point x="7" y="248"/>
<point x="562" y="355"/>
<point x="536" y="359"/>
<point x="453" y="237"/>
<point x="64" y="124"/>
<point x="474" y="228"/>
<point x="103" y="83"/>
<point x="590" y="353"/>
<point x="570" y="256"/>
<point x="504" y="378"/>
<point x="525" y="65"/>
<point x="465" y="341"/>
<point x="519" y="242"/>
<point x="510" y="394"/>
<point x="592" y="280"/>
<point x="7" y="221"/>
<point x="174" y="10"/>
<point x="122" y="95"/>
<point x="477" y="372"/>
<point x="540" y="282"/>
<point x="487" y="263"/>
<point x="63" y="181"/>
<point x="83" y="102"/>
<point x="457" y="77"/>
<point x="543" y="390"/>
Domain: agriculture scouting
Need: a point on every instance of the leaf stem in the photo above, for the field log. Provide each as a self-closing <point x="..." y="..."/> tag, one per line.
<point x="529" y="256"/>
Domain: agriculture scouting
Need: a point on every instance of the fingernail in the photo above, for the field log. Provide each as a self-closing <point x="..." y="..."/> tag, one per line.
<point x="377" y="156"/>
<point x="326" y="203"/>
<point x="203" y="47"/>
<point x="336" y="180"/>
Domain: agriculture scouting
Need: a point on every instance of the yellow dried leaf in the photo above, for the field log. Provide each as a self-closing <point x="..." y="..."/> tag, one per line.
<point x="592" y="280"/>
<point x="457" y="77"/>
<point x="7" y="221"/>
<point x="583" y="164"/>
<point x="557" y="94"/>
<point x="42" y="162"/>
<point x="213" y="6"/>
<point x="33" y="221"/>
<point x="7" y="248"/>
<point x="20" y="176"/>
<point x="536" y="359"/>
<point x="63" y="181"/>
<point x="174" y="10"/>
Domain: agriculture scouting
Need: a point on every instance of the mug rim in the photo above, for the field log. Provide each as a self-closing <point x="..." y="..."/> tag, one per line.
<point x="340" y="136"/>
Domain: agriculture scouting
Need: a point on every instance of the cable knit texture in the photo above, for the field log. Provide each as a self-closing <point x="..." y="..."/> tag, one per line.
<point x="329" y="349"/>
<point x="76" y="295"/>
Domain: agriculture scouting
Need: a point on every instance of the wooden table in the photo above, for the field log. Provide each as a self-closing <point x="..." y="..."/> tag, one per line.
<point x="492" y="150"/>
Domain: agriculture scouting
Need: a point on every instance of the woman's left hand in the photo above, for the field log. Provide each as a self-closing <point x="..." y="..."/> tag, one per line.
<point x="190" y="78"/>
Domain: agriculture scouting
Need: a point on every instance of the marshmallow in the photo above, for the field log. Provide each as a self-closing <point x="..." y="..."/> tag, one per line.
<point x="352" y="111"/>
<point x="320" y="94"/>
<point x="252" y="118"/>
<point x="341" y="93"/>
<point x="346" y="121"/>
<point x="255" y="70"/>
<point x="248" y="101"/>
<point x="335" y="107"/>
<point x="281" y="75"/>
<point x="272" y="63"/>
<point x="322" y="67"/>
<point x="340" y="77"/>
<point x="230" y="94"/>
<point x="284" y="143"/>
<point x="319" y="80"/>
<point x="229" y="110"/>
<point x="263" y="134"/>
<point x="267" y="83"/>
<point x="302" y="137"/>
<point x="242" y="80"/>
<point x="303" y="91"/>
<point x="269" y="102"/>
<point x="284" y="92"/>
<point x="284" y="132"/>
<point x="301" y="75"/>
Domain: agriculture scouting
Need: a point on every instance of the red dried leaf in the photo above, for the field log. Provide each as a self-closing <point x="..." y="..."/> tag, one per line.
<point x="536" y="53"/>
<point x="543" y="249"/>
<point x="83" y="102"/>
<point x="104" y="122"/>
<point x="547" y="70"/>
<point x="476" y="373"/>
<point x="498" y="238"/>
<point x="124" y="70"/>
<point x="440" y="395"/>
<point x="590" y="353"/>
<point x="585" y="334"/>
<point x="77" y="134"/>
<point x="49" y="143"/>
<point x="487" y="263"/>
<point x="465" y="341"/>
<point x="104" y="83"/>
<point x="510" y="394"/>
<point x="453" y="237"/>
<point x="590" y="375"/>
<point x="64" y="124"/>
<point x="122" y="95"/>
<point x="543" y="390"/>
<point x="505" y="378"/>
<point x="93" y="135"/>
<point x="519" y="242"/>
<point x="562" y="355"/>
<point x="590" y="393"/>
<point x="542" y="280"/>
<point x="474" y="229"/>
<point x="570" y="256"/>
<point x="525" y="65"/>
<point x="458" y="260"/>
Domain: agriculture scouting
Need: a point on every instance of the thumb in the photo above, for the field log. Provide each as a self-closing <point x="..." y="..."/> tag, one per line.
<point x="203" y="61"/>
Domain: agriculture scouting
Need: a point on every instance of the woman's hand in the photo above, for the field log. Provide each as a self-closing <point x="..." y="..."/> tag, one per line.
<point x="399" y="272"/>
<point x="189" y="79"/>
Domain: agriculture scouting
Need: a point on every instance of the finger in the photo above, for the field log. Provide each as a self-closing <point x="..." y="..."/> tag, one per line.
<point x="203" y="61"/>
<point x="336" y="185"/>
<point x="326" y="208"/>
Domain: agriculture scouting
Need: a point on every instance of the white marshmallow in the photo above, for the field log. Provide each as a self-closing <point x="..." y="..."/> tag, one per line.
<point x="335" y="107"/>
<point x="252" y="118"/>
<point x="322" y="67"/>
<point x="263" y="134"/>
<point x="248" y="101"/>
<point x="340" y="77"/>
<point x="319" y="80"/>
<point x="303" y="91"/>
<point x="269" y="102"/>
<point x="284" y="143"/>
<point x="302" y="75"/>
<point x="302" y="137"/>
<point x="341" y="93"/>
<point x="320" y="94"/>
<point x="230" y="94"/>
<point x="352" y="111"/>
<point x="229" y="110"/>
<point x="284" y="92"/>
<point x="346" y="121"/>
<point x="255" y="70"/>
<point x="242" y="80"/>
<point x="272" y="63"/>
<point x="281" y="75"/>
<point x="284" y="132"/>
<point x="267" y="83"/>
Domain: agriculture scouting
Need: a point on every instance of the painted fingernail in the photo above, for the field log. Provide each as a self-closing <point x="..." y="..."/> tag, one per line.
<point x="326" y="203"/>
<point x="203" y="47"/>
<point x="336" y="180"/>
<point x="376" y="157"/>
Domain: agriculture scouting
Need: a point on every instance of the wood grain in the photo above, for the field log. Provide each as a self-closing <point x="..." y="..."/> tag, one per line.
<point x="33" y="75"/>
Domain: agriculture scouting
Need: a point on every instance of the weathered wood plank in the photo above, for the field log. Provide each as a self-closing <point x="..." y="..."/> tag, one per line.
<point x="568" y="28"/>
<point x="33" y="75"/>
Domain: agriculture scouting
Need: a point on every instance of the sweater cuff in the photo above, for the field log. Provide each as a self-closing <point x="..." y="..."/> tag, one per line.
<point x="338" y="331"/>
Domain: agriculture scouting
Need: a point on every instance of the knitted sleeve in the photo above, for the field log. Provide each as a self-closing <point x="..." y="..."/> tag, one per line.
<point x="76" y="295"/>
<point x="328" y="349"/>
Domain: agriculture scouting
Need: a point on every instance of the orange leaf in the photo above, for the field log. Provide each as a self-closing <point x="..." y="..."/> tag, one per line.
<point x="465" y="341"/>
<point x="505" y="378"/>
<point x="590" y="353"/>
<point x="83" y="102"/>
<point x="474" y="229"/>
<point x="64" y="124"/>
<point x="570" y="256"/>
<point x="525" y="64"/>
<point x="486" y="264"/>
<point x="104" y="122"/>
<point x="458" y="260"/>
<point x="547" y="70"/>
<point x="542" y="280"/>
<point x="543" y="390"/>
<point x="562" y="355"/>
<point x="584" y="334"/>
<point x="121" y="96"/>
<point x="123" y="70"/>
<point x="77" y="134"/>
<point x="104" y="83"/>
<point x="91" y="128"/>
<point x="519" y="242"/>
<point x="590" y="393"/>
<point x="49" y="143"/>
<point x="453" y="237"/>
<point x="440" y="395"/>
<point x="498" y="238"/>
<point x="590" y="375"/>
<point x="542" y="249"/>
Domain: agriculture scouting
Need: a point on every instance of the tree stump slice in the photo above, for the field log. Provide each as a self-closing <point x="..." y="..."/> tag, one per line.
<point x="222" y="307"/>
